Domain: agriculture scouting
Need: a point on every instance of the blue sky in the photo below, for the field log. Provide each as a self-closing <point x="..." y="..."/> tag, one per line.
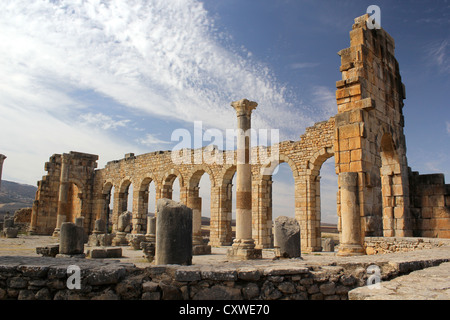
<point x="113" y="77"/>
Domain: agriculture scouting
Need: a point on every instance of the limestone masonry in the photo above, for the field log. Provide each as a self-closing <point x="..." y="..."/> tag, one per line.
<point x="379" y="195"/>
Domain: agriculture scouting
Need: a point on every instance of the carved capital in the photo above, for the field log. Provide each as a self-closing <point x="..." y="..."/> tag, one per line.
<point x="244" y="107"/>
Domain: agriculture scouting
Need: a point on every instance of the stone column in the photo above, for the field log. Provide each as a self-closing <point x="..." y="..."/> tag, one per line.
<point x="173" y="233"/>
<point x="244" y="246"/>
<point x="63" y="194"/>
<point x="351" y="236"/>
<point x="2" y="158"/>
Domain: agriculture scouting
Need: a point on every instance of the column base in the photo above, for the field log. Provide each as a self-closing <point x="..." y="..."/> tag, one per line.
<point x="346" y="250"/>
<point x="244" y="249"/>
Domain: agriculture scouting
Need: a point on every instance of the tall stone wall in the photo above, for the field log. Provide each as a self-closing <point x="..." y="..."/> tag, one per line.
<point x="65" y="193"/>
<point x="369" y="132"/>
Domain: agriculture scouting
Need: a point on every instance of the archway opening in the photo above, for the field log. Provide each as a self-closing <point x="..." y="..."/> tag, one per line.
<point x="199" y="199"/>
<point x="326" y="202"/>
<point x="74" y="203"/>
<point x="176" y="193"/>
<point x="107" y="213"/>
<point x="283" y="192"/>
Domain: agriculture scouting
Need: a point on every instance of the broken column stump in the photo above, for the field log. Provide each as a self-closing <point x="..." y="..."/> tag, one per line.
<point x="9" y="230"/>
<point x="173" y="233"/>
<point x="287" y="237"/>
<point x="71" y="240"/>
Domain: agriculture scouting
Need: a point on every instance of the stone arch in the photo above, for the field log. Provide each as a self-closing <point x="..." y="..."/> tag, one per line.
<point x="197" y="173"/>
<point x="75" y="200"/>
<point x="268" y="168"/>
<point x="107" y="193"/>
<point x="167" y="184"/>
<point x="262" y="205"/>
<point x="140" y="202"/>
<point x="194" y="201"/>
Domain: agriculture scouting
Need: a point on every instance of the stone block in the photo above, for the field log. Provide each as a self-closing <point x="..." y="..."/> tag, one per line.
<point x="173" y="233"/>
<point x="48" y="251"/>
<point x="10" y="232"/>
<point x="287" y="237"/>
<point x="327" y="245"/>
<point x="71" y="239"/>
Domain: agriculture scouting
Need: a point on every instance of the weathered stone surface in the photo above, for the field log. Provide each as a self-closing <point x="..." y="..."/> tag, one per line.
<point x="427" y="284"/>
<point x="250" y="291"/>
<point x="219" y="292"/>
<point x="100" y="239"/>
<point x="48" y="251"/>
<point x="173" y="233"/>
<point x="71" y="239"/>
<point x="11" y="232"/>
<point x="327" y="245"/>
<point x="287" y="237"/>
<point x="100" y="226"/>
<point x="124" y="222"/>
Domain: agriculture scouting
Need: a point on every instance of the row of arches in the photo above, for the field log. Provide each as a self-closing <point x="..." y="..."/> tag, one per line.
<point x="214" y="199"/>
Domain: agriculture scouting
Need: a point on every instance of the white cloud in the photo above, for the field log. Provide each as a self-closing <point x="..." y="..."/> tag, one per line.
<point x="447" y="123"/>
<point x="159" y="58"/>
<point x="325" y="101"/>
<point x="151" y="140"/>
<point x="102" y="121"/>
<point x="438" y="52"/>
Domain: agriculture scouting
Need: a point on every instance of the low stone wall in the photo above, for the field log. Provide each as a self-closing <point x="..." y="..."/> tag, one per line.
<point x="382" y="245"/>
<point x="46" y="278"/>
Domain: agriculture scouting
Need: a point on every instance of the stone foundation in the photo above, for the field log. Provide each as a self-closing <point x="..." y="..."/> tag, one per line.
<point x="45" y="278"/>
<point x="381" y="245"/>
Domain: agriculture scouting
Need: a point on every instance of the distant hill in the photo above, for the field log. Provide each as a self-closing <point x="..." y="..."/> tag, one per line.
<point x="15" y="196"/>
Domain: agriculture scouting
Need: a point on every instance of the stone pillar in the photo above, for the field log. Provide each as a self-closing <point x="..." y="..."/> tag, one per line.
<point x="287" y="237"/>
<point x="173" y="233"/>
<point x="63" y="194"/>
<point x="71" y="239"/>
<point x="244" y="246"/>
<point x="2" y="158"/>
<point x="151" y="229"/>
<point x="352" y="240"/>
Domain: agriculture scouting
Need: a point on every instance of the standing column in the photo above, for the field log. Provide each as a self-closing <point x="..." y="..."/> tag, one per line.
<point x="244" y="245"/>
<point x="63" y="194"/>
<point x="351" y="238"/>
<point x="2" y="158"/>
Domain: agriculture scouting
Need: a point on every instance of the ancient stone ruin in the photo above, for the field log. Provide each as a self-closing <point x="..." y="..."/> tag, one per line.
<point x="379" y="195"/>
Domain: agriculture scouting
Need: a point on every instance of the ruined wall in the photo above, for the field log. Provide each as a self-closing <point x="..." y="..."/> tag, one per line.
<point x="369" y="132"/>
<point x="65" y="193"/>
<point x="430" y="205"/>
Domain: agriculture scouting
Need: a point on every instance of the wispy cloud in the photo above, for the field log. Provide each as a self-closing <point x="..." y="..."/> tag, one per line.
<point x="447" y="123"/>
<point x="324" y="100"/>
<point x="151" y="140"/>
<point x="161" y="59"/>
<point x="102" y="121"/>
<point x="439" y="54"/>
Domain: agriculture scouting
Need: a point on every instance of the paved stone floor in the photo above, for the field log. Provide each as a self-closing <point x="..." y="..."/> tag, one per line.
<point x="432" y="282"/>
